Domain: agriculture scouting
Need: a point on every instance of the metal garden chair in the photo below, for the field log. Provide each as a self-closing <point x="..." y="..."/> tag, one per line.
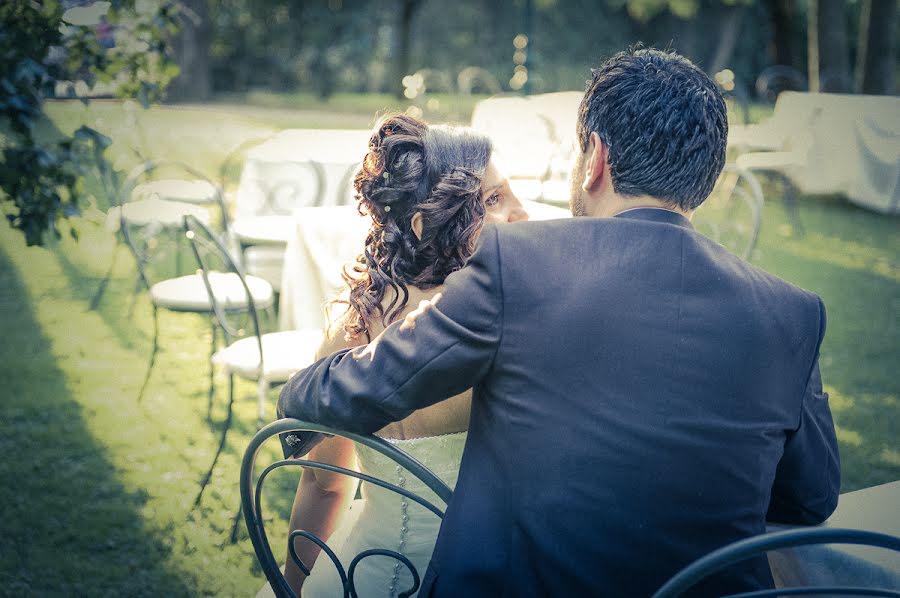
<point x="251" y="503"/>
<point x="268" y="359"/>
<point x="264" y="204"/>
<point x="687" y="578"/>
<point x="149" y="219"/>
<point x="732" y="214"/>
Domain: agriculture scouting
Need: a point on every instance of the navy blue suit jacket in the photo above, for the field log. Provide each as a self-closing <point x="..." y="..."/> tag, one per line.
<point x="641" y="397"/>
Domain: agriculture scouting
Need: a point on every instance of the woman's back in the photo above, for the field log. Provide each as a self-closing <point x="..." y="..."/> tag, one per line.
<point x="386" y="520"/>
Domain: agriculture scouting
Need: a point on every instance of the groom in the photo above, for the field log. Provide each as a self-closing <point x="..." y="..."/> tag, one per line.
<point x="641" y="396"/>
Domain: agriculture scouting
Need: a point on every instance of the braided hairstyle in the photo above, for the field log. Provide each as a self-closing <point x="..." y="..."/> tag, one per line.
<point x="412" y="167"/>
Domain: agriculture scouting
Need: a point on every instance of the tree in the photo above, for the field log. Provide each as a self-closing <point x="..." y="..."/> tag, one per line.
<point x="408" y="10"/>
<point x="44" y="45"/>
<point x="192" y="54"/>
<point x="833" y="50"/>
<point x="781" y="16"/>
<point x="828" y="54"/>
<point x="877" y="47"/>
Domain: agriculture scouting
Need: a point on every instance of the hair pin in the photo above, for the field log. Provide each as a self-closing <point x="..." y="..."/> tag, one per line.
<point x="387" y="209"/>
<point x="386" y="176"/>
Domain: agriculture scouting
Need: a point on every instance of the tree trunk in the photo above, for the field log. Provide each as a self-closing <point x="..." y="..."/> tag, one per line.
<point x="407" y="12"/>
<point x="730" y="26"/>
<point x="812" y="44"/>
<point x="834" y="53"/>
<point x="192" y="54"/>
<point x="781" y="13"/>
<point x="877" y="47"/>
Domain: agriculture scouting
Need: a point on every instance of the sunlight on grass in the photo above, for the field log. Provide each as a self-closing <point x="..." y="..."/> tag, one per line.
<point x="848" y="437"/>
<point x="851" y="255"/>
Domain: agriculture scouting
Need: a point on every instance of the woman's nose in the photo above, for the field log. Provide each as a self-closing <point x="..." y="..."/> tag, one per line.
<point x="516" y="212"/>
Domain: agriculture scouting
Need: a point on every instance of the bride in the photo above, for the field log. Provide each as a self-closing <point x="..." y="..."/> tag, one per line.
<point x="429" y="190"/>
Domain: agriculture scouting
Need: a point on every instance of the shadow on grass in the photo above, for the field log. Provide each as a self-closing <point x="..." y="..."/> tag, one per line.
<point x="72" y="526"/>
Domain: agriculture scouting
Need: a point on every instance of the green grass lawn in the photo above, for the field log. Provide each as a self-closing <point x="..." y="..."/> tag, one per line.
<point x="97" y="488"/>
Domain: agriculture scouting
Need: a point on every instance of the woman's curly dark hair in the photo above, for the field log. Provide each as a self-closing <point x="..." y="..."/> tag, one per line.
<point x="412" y="167"/>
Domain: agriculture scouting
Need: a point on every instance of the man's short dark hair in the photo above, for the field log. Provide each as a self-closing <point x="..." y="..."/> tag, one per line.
<point x="665" y="124"/>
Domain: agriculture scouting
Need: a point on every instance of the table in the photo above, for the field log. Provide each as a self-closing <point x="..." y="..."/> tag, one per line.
<point x="324" y="239"/>
<point x="873" y="509"/>
<point x="830" y="143"/>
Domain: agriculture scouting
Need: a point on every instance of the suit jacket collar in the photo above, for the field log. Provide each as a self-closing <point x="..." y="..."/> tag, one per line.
<point x="656" y="215"/>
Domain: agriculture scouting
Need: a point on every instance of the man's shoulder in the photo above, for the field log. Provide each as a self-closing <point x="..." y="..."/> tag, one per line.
<point x="754" y="274"/>
<point x="784" y="301"/>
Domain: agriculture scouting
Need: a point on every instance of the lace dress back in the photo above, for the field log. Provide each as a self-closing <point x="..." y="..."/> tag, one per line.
<point x="384" y="519"/>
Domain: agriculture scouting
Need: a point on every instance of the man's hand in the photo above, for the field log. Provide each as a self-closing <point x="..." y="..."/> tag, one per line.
<point x="409" y="322"/>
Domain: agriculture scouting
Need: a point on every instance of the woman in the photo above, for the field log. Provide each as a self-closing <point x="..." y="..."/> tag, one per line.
<point x="429" y="190"/>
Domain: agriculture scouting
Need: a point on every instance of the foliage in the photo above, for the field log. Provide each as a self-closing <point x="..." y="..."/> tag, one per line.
<point x="644" y="10"/>
<point x="122" y="44"/>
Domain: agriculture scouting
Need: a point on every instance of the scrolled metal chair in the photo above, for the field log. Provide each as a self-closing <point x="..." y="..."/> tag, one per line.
<point x="741" y="550"/>
<point x="148" y="218"/>
<point x="251" y="494"/>
<point x="732" y="214"/>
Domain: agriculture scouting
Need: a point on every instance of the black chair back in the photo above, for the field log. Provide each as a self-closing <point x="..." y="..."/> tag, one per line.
<point x="251" y="495"/>
<point x="739" y="551"/>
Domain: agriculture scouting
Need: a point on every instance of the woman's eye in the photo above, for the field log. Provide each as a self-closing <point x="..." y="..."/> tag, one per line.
<point x="492" y="200"/>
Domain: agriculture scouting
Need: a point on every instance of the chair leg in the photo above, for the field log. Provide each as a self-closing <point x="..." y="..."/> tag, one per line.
<point x="101" y="288"/>
<point x="212" y="370"/>
<point x="208" y="475"/>
<point x="153" y="353"/>
<point x="236" y="525"/>
<point x="272" y="313"/>
<point x="134" y="296"/>
<point x="790" y="205"/>
<point x="262" y="395"/>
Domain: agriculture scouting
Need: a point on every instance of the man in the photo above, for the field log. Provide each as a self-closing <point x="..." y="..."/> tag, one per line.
<point x="641" y="396"/>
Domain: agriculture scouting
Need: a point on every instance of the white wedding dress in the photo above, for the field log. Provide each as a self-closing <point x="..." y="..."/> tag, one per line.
<point x="384" y="519"/>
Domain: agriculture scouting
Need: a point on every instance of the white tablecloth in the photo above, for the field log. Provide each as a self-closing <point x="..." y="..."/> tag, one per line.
<point x="874" y="509"/>
<point x="831" y="143"/>
<point x="326" y="238"/>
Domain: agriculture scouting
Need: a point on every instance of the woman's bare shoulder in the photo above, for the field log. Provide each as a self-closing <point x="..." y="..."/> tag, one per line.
<point x="336" y="337"/>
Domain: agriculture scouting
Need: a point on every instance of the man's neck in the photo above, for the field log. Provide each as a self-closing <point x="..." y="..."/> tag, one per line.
<point x="617" y="205"/>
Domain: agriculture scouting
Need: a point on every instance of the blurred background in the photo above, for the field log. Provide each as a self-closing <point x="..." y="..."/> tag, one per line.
<point x="107" y="416"/>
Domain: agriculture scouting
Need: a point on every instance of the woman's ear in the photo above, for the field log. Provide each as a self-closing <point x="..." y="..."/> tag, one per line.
<point x="416" y="224"/>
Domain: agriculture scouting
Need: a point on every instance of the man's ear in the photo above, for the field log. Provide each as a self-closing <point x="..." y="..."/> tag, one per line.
<point x="595" y="167"/>
<point x="416" y="224"/>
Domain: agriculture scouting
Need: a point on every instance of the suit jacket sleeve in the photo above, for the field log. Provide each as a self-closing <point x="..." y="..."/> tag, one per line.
<point x="433" y="354"/>
<point x="808" y="477"/>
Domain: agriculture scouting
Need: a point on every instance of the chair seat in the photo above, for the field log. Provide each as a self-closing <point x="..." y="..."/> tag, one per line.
<point x="774" y="161"/>
<point x="188" y="293"/>
<point x="161" y="212"/>
<point x="284" y="354"/>
<point x="185" y="191"/>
